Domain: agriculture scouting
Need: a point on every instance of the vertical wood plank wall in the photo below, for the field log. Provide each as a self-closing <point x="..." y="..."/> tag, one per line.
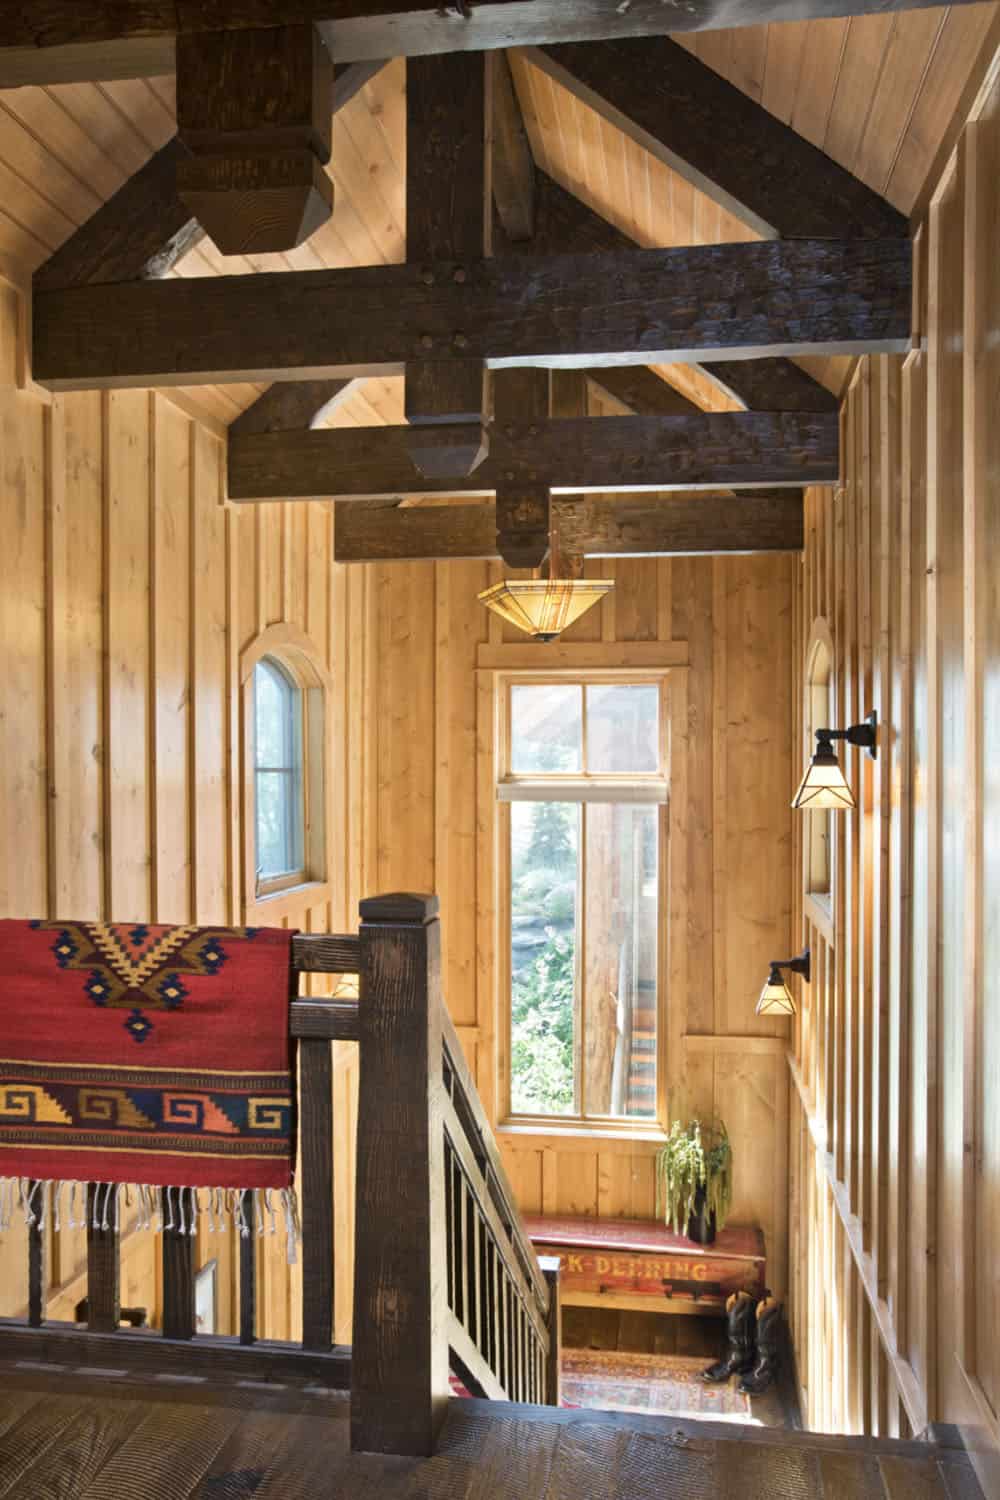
<point x="895" y="1143"/>
<point x="433" y="817"/>
<point x="128" y="591"/>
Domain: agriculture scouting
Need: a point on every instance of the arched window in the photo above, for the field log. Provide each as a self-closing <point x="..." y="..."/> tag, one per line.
<point x="279" y="774"/>
<point x="819" y="714"/>
<point x="285" y="685"/>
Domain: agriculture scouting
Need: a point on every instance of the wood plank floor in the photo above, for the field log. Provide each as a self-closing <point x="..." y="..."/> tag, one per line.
<point x="83" y="1436"/>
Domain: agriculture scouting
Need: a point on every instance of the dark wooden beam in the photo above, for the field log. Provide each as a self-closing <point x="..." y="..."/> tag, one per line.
<point x="62" y="41"/>
<point x="254" y="109"/>
<point x="513" y="163"/>
<point x="770" y="385"/>
<point x="448" y="219"/>
<point x="591" y="525"/>
<point x="642" y="391"/>
<point x="521" y="403"/>
<point x="291" y="405"/>
<point x="713" y="135"/>
<point x="563" y="220"/>
<point x="144" y="229"/>
<point x="701" y="451"/>
<point x="646" y="394"/>
<point x="642" y="306"/>
<point x="140" y="233"/>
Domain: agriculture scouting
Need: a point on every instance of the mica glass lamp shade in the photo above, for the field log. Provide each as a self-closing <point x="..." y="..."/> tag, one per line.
<point x="775" y="997"/>
<point x="544" y="607"/>
<point x="824" y="785"/>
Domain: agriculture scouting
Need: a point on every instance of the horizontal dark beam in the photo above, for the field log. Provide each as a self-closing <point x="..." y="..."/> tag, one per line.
<point x="716" y="137"/>
<point x="707" y="450"/>
<point x="641" y="306"/>
<point x="588" y="526"/>
<point x="62" y="41"/>
<point x="563" y="221"/>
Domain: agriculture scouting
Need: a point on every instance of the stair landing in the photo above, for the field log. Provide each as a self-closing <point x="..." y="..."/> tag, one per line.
<point x="96" y="1437"/>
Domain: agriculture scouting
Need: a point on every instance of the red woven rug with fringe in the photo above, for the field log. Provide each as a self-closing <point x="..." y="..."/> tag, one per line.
<point x="147" y="1055"/>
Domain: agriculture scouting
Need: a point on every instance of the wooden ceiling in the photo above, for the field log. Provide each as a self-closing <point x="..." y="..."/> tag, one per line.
<point x="876" y="93"/>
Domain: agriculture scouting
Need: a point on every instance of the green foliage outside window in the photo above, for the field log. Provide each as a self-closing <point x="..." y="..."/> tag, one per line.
<point x="543" y="958"/>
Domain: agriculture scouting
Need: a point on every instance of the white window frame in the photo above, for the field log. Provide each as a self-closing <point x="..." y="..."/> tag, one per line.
<point x="300" y="659"/>
<point x="818" y="841"/>
<point x="294" y="775"/>
<point x="650" y="788"/>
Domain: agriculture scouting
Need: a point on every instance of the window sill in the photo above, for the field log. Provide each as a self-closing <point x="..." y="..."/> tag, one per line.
<point x="818" y="909"/>
<point x="289" y="901"/>
<point x="626" y="1134"/>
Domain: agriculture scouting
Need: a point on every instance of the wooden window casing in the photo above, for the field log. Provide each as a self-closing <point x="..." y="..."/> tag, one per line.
<point x="299" y="659"/>
<point x="582" y="787"/>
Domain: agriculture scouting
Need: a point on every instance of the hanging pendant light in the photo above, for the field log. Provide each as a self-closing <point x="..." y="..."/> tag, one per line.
<point x="544" y="607"/>
<point x="824" y="784"/>
<point x="776" y="997"/>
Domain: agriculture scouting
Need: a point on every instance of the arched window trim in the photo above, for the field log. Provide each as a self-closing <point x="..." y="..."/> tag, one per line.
<point x="298" y="656"/>
<point x="818" y="878"/>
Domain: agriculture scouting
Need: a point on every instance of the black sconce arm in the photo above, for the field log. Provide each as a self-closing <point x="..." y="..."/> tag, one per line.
<point x="864" y="736"/>
<point x="799" y="965"/>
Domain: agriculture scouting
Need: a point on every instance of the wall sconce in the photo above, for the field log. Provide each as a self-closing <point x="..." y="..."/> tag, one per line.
<point x="824" y="785"/>
<point x="776" y="997"/>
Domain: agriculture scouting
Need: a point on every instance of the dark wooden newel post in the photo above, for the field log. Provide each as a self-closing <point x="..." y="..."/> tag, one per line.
<point x="399" y="1370"/>
<point x="448" y="220"/>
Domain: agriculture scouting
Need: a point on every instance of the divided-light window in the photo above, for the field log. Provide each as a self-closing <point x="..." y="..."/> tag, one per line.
<point x="583" y="788"/>
<point x="278" y="776"/>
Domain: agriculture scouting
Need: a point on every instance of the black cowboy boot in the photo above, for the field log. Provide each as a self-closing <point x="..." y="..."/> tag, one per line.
<point x="740" y="1333"/>
<point x="765" y="1371"/>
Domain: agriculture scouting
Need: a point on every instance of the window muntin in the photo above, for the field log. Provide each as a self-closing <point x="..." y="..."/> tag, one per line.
<point x="278" y="773"/>
<point x="585" y="778"/>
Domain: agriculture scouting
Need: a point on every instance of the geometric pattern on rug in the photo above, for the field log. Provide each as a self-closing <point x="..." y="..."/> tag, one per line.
<point x="613" y="1380"/>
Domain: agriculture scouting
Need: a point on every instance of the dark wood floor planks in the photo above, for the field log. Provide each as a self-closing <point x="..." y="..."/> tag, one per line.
<point x="35" y="1436"/>
<point x="83" y="1448"/>
<point x="109" y="1439"/>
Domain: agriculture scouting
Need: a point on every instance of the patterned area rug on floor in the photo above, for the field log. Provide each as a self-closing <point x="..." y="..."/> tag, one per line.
<point x="613" y="1381"/>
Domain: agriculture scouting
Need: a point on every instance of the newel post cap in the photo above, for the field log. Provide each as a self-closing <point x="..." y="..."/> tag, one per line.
<point x="400" y="906"/>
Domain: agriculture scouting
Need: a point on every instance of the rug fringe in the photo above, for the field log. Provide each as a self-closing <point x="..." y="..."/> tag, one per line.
<point x="178" y="1209"/>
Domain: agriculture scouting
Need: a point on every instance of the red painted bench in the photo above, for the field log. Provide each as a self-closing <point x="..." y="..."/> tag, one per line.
<point x="639" y="1264"/>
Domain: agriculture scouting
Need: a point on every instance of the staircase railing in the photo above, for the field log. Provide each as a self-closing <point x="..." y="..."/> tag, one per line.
<point x="445" y="1277"/>
<point x="178" y="1349"/>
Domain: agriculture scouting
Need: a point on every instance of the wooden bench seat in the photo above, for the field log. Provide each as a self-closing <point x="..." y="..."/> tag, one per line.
<point x="640" y="1265"/>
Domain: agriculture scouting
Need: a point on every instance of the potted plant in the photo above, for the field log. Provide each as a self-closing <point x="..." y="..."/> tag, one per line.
<point x="694" y="1179"/>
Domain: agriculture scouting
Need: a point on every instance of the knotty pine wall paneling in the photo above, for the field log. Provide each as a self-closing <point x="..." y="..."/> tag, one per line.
<point x="894" y="1140"/>
<point x="128" y="592"/>
<point x="434" y="815"/>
